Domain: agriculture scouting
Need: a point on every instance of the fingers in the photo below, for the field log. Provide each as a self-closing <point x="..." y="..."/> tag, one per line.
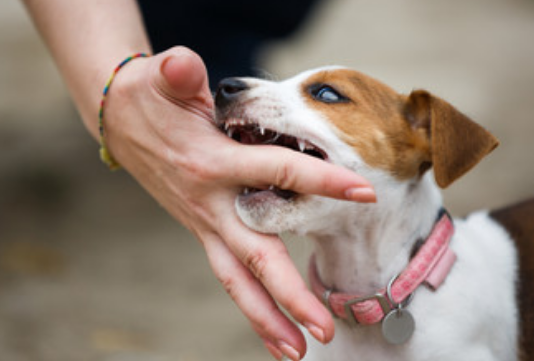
<point x="267" y="258"/>
<point x="180" y="74"/>
<point x="280" y="335"/>
<point x="287" y="169"/>
<point x="269" y="262"/>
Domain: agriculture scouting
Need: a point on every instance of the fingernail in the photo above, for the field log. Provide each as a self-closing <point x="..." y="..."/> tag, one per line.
<point x="364" y="195"/>
<point x="277" y="354"/>
<point x="316" y="332"/>
<point x="289" y="351"/>
<point x="166" y="61"/>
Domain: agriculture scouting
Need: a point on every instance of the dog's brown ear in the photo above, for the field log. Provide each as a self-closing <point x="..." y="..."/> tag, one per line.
<point x="457" y="143"/>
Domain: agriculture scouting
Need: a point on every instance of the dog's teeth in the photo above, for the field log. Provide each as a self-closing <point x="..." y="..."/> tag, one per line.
<point x="230" y="132"/>
<point x="271" y="188"/>
<point x="262" y="130"/>
<point x="246" y="191"/>
<point x="302" y="144"/>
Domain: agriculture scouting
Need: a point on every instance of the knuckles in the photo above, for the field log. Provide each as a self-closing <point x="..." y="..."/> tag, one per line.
<point x="285" y="177"/>
<point x="257" y="262"/>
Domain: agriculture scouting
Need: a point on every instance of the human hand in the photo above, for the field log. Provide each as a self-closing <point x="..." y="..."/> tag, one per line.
<point x="159" y="127"/>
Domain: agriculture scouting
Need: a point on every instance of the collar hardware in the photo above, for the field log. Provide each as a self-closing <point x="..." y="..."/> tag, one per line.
<point x="429" y="266"/>
<point x="382" y="301"/>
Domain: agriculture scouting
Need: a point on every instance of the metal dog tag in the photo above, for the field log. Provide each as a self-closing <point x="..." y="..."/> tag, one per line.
<point x="398" y="326"/>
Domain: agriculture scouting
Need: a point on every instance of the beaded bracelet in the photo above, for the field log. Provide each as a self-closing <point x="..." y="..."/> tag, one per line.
<point x="105" y="155"/>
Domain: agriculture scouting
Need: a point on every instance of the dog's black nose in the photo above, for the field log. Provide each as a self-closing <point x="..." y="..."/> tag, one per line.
<point x="228" y="91"/>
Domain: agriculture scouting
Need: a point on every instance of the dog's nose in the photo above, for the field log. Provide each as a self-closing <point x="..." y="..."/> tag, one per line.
<point x="228" y="91"/>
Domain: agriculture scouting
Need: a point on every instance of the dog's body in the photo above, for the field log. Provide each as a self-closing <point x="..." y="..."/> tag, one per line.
<point x="349" y="119"/>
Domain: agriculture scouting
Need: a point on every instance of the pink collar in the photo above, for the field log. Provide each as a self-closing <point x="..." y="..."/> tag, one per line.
<point x="430" y="266"/>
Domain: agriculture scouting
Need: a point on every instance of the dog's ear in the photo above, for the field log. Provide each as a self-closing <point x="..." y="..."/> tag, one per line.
<point x="456" y="143"/>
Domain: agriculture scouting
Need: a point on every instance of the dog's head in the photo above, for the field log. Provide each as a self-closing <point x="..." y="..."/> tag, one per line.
<point x="350" y="119"/>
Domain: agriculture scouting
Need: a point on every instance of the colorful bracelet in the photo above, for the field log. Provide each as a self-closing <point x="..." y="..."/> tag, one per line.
<point x="105" y="155"/>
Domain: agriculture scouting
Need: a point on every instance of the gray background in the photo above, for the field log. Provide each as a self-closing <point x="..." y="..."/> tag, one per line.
<point x="92" y="269"/>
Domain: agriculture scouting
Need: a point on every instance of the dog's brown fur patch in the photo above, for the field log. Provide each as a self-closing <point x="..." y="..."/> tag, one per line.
<point x="372" y="119"/>
<point x="457" y="142"/>
<point x="519" y="221"/>
<point x="402" y="135"/>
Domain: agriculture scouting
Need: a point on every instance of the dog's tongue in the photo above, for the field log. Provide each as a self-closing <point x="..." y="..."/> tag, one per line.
<point x="247" y="138"/>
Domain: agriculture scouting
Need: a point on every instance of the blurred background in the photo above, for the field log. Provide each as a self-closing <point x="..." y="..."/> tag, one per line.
<point x="92" y="269"/>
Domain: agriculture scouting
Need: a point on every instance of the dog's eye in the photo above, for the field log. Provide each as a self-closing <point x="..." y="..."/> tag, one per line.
<point x="327" y="94"/>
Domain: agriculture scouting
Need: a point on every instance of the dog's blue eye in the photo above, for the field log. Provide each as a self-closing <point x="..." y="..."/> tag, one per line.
<point x="327" y="94"/>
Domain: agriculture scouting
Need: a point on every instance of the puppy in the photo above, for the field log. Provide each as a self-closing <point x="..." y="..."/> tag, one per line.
<point x="403" y="279"/>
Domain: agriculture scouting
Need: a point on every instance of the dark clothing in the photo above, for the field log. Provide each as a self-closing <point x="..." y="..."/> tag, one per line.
<point x="225" y="33"/>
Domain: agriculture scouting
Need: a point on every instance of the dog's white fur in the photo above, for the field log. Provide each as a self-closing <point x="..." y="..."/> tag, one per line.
<point x="359" y="247"/>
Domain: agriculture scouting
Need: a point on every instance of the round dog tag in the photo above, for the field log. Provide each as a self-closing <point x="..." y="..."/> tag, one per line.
<point x="398" y="326"/>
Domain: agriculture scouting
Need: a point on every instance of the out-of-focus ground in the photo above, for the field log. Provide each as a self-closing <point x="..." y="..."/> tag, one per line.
<point x="92" y="269"/>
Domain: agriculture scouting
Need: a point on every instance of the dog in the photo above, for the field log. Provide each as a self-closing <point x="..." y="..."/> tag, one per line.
<point x="403" y="279"/>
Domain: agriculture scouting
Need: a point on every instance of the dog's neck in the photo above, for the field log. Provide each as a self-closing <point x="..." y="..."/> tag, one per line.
<point x="377" y="240"/>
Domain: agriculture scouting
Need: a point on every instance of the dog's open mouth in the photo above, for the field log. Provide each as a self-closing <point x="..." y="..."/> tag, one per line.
<point x="254" y="134"/>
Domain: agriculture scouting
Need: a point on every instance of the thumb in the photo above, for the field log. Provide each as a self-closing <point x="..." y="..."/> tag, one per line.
<point x="181" y="75"/>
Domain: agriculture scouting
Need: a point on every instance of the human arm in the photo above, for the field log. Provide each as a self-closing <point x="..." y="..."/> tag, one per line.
<point x="158" y="126"/>
<point x="87" y="39"/>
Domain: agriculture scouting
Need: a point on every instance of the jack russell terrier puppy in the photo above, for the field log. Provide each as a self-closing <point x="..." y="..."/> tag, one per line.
<point x="403" y="280"/>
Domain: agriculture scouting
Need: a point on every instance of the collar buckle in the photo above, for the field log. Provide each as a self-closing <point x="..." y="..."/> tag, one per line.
<point x="382" y="301"/>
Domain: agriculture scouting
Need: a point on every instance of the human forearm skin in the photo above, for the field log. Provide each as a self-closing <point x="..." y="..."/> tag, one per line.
<point x="87" y="40"/>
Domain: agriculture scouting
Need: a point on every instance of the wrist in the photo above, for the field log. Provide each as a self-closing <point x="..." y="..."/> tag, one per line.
<point x="105" y="154"/>
<point x="87" y="89"/>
